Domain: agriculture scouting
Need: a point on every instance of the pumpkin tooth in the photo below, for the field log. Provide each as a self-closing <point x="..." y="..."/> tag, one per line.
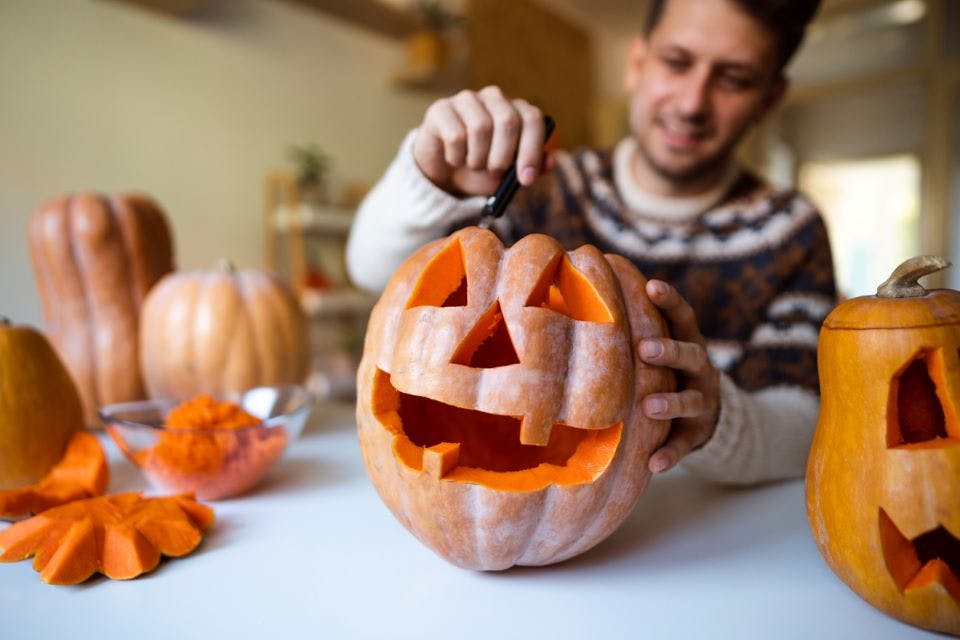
<point x="932" y="556"/>
<point x="439" y="459"/>
<point x="937" y="571"/>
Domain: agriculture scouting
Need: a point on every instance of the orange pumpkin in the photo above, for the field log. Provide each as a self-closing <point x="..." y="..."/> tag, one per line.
<point x="883" y="477"/>
<point x="40" y="408"/>
<point x="221" y="330"/>
<point x="94" y="259"/>
<point x="499" y="398"/>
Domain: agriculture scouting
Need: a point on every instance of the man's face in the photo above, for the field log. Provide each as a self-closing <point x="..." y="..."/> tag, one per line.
<point x="698" y="81"/>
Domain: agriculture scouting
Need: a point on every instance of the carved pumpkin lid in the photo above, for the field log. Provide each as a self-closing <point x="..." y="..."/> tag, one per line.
<point x="901" y="302"/>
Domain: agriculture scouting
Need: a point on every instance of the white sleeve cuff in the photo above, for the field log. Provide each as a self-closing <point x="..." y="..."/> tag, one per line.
<point x="760" y="436"/>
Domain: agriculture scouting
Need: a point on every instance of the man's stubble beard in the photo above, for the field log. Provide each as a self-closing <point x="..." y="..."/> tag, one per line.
<point x="694" y="174"/>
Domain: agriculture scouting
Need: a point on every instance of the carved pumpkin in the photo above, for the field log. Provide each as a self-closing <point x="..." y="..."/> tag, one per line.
<point x="94" y="259"/>
<point x="39" y="406"/>
<point x="883" y="477"/>
<point x="499" y="398"/>
<point x="221" y="330"/>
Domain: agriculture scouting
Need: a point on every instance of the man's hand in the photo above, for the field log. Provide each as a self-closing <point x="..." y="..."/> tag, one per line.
<point x="695" y="407"/>
<point x="467" y="141"/>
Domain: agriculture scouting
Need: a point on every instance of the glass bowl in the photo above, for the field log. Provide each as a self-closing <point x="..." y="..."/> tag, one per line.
<point x="212" y="463"/>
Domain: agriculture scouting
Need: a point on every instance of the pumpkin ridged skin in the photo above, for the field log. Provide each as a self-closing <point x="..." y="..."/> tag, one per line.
<point x="852" y="473"/>
<point x="487" y="528"/>
<point x="94" y="259"/>
<point x="39" y="406"/>
<point x="221" y="330"/>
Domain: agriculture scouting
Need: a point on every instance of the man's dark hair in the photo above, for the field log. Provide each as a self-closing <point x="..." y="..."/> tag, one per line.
<point x="787" y="19"/>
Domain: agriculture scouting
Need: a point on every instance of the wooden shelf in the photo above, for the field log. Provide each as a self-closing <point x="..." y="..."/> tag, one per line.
<point x="177" y="8"/>
<point x="368" y="14"/>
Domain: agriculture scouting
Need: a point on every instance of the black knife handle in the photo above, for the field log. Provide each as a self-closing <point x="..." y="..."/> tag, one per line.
<point x="497" y="203"/>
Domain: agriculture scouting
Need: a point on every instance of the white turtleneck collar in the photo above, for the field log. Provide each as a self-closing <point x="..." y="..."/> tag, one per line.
<point x="641" y="203"/>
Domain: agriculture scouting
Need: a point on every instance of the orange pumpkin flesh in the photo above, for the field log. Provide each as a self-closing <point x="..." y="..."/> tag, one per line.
<point x="883" y="477"/>
<point x="81" y="473"/>
<point x="499" y="398"/>
<point x="210" y="448"/>
<point x="121" y="536"/>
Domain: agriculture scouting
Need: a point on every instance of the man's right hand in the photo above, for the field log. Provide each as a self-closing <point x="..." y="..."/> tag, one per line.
<point x="467" y="141"/>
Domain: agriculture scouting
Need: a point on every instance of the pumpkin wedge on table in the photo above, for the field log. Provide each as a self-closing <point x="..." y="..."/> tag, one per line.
<point x="121" y="536"/>
<point x="39" y="405"/>
<point x="94" y="259"/>
<point x="81" y="473"/>
<point x="499" y="398"/>
<point x="883" y="476"/>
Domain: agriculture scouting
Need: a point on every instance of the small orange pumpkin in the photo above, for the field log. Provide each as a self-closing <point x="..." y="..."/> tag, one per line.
<point x="883" y="477"/>
<point x="94" y="259"/>
<point x="221" y="330"/>
<point x="40" y="408"/>
<point x="499" y="397"/>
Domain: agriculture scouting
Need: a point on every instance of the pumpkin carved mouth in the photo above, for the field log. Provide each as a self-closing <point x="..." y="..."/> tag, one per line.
<point x="467" y="445"/>
<point x="933" y="556"/>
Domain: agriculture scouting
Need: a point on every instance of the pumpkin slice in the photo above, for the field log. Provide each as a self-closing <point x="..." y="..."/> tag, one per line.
<point x="121" y="536"/>
<point x="81" y="473"/>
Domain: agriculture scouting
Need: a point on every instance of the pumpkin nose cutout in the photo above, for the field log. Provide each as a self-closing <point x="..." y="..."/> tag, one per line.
<point x="915" y="413"/>
<point x="488" y="344"/>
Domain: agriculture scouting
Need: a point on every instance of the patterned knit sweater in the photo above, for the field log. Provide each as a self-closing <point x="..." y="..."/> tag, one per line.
<point x="752" y="261"/>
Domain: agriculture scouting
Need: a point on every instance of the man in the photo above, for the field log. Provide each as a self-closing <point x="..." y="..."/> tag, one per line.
<point x="749" y="268"/>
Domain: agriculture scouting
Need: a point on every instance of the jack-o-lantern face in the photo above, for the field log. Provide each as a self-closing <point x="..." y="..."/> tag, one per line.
<point x="883" y="479"/>
<point x="499" y="398"/>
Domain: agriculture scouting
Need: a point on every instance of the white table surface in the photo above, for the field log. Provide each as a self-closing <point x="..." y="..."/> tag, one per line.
<point x="313" y="553"/>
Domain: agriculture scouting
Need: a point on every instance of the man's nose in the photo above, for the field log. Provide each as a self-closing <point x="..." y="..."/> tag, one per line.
<point x="694" y="93"/>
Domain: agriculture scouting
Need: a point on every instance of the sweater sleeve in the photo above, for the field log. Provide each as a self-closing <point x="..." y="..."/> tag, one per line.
<point x="403" y="211"/>
<point x="769" y="399"/>
<point x="760" y="436"/>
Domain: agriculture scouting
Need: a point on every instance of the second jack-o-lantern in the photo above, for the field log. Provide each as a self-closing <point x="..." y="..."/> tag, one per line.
<point x="499" y="398"/>
<point x="883" y="477"/>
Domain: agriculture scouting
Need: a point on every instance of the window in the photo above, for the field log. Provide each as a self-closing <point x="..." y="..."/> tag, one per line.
<point x="871" y="207"/>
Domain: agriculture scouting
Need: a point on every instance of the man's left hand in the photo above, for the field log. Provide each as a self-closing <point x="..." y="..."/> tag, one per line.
<point x="695" y="407"/>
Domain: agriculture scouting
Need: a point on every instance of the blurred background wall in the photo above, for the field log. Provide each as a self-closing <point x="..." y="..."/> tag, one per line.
<point x="195" y="110"/>
<point x="198" y="105"/>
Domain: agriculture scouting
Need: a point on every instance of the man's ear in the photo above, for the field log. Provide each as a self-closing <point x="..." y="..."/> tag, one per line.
<point x="778" y="90"/>
<point x="636" y="54"/>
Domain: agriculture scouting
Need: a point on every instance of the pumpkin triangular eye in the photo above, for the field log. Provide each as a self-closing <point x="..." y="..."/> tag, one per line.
<point x="488" y="344"/>
<point x="915" y="413"/>
<point x="564" y="289"/>
<point x="443" y="282"/>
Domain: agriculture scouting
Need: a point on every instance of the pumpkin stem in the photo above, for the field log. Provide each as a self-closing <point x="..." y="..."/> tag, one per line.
<point x="226" y="265"/>
<point x="902" y="283"/>
<point x="4" y="321"/>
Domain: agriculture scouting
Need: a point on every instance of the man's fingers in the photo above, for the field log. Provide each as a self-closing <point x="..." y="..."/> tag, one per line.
<point x="678" y="313"/>
<point x="689" y="357"/>
<point x="684" y="437"/>
<point x="530" y="156"/>
<point x="443" y="121"/>
<point x="479" y="127"/>
<point x="688" y="403"/>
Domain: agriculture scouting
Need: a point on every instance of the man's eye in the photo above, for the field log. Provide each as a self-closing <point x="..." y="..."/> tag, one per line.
<point x="676" y="64"/>
<point x="737" y="83"/>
